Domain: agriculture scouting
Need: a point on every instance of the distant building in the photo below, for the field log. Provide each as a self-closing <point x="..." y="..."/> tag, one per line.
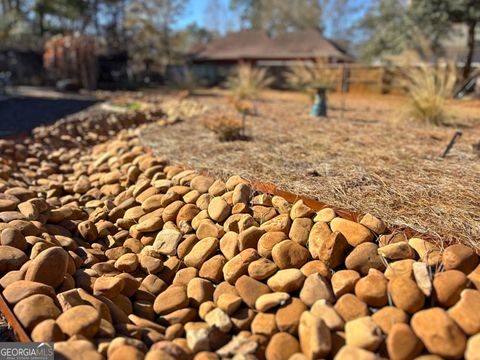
<point x="213" y="62"/>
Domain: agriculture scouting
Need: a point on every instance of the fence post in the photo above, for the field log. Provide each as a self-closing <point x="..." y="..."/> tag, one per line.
<point x="345" y="78"/>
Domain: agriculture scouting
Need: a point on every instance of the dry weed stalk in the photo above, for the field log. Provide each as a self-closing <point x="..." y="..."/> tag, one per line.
<point x="248" y="82"/>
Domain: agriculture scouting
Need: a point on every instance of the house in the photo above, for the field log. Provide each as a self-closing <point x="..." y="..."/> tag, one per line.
<point x="213" y="62"/>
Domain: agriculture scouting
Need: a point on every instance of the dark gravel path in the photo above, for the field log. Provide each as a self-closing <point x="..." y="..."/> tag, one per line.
<point x="21" y="114"/>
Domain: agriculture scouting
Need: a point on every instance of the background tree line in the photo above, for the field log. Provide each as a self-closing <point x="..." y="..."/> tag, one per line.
<point x="149" y="30"/>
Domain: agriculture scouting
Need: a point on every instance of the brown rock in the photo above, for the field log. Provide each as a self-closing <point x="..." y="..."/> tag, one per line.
<point x="22" y="289"/>
<point x="325" y="215"/>
<point x="278" y="223"/>
<point x="374" y="224"/>
<point x="314" y="335"/>
<point x="350" y="307"/>
<point x="474" y="277"/>
<point x="201" y="183"/>
<point x="267" y="301"/>
<point x="397" y="251"/>
<point x="421" y="274"/>
<point x="448" y="285"/>
<point x="300" y="210"/>
<point x="387" y="316"/>
<point x="349" y="352"/>
<point x="281" y="346"/>
<point x="153" y="223"/>
<point x="47" y="331"/>
<point x="261" y="269"/>
<point x="363" y="258"/>
<point x="264" y="324"/>
<point x="127" y="263"/>
<point x="440" y="335"/>
<point x="459" y="257"/>
<point x="34" y="309"/>
<point x="316" y="266"/>
<point x="80" y="320"/>
<point x="323" y="310"/>
<point x="249" y="238"/>
<point x="287" y="280"/>
<point x="428" y="252"/>
<point x="241" y="194"/>
<point x="88" y="230"/>
<point x="201" y="251"/>
<point x="14" y="238"/>
<point x="287" y="317"/>
<point x="364" y="333"/>
<point x="318" y="235"/>
<point x="289" y="254"/>
<point x="218" y="209"/>
<point x="406" y="295"/>
<point x="238" y="266"/>
<point x="268" y="241"/>
<point x="250" y="289"/>
<point x="218" y="318"/>
<point x="208" y="228"/>
<point x="344" y="282"/>
<point x="316" y="287"/>
<point x="212" y="268"/>
<point x="300" y="230"/>
<point x="372" y="289"/>
<point x="402" y="343"/>
<point x="400" y="268"/>
<point x="463" y="312"/>
<point x="354" y="232"/>
<point x="229" y="245"/>
<point x="199" y="290"/>
<point x="49" y="267"/>
<point x="167" y="241"/>
<point x="333" y="250"/>
<point x="11" y="258"/>
<point x="229" y="303"/>
<point x="173" y="298"/>
<point x="108" y="286"/>
<point x="473" y="348"/>
<point x="281" y="205"/>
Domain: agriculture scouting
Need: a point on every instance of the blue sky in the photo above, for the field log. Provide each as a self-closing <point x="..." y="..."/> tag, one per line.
<point x="197" y="11"/>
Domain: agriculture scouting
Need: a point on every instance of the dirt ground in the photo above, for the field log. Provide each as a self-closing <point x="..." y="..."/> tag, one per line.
<point x="361" y="157"/>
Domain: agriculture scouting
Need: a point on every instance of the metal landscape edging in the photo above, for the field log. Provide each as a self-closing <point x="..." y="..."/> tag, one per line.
<point x="13" y="321"/>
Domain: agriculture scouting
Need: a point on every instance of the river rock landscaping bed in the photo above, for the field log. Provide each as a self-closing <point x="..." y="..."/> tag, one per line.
<point x="110" y="252"/>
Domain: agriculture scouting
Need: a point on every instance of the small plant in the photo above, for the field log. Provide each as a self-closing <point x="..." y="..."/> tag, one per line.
<point x="307" y="74"/>
<point x="227" y="128"/>
<point x="428" y="87"/>
<point x="248" y="82"/>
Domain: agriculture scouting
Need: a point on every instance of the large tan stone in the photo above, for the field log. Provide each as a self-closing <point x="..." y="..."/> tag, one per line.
<point x="34" y="309"/>
<point x="80" y="320"/>
<point x="364" y="333"/>
<point x="49" y="267"/>
<point x="314" y="335"/>
<point x="465" y="312"/>
<point x="354" y="232"/>
<point x="289" y="254"/>
<point x="402" y="343"/>
<point x="439" y="333"/>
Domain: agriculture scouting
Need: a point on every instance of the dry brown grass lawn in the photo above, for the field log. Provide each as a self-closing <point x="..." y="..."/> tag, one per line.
<point x="359" y="158"/>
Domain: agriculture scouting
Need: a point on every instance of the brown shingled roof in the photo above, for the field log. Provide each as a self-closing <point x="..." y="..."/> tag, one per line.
<point x="255" y="44"/>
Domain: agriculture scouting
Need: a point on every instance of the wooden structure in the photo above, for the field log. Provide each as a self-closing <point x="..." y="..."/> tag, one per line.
<point x="72" y="57"/>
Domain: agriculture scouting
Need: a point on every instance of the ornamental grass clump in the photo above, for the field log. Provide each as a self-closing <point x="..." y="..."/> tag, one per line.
<point x="247" y="82"/>
<point x="428" y="88"/>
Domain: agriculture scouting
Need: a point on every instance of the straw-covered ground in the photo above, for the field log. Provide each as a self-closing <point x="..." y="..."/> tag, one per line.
<point x="361" y="157"/>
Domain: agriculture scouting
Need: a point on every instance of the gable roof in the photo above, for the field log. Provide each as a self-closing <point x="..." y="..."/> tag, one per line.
<point x="255" y="44"/>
